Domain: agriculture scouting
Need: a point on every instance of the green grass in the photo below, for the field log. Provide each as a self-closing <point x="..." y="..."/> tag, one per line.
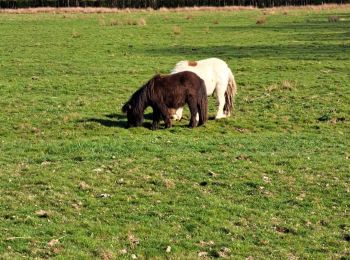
<point x="272" y="181"/>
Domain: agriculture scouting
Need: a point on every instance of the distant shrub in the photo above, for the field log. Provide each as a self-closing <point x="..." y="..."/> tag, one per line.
<point x="333" y="19"/>
<point x="216" y="21"/>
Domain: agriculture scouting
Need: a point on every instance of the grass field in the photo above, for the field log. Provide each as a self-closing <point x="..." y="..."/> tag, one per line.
<point x="272" y="181"/>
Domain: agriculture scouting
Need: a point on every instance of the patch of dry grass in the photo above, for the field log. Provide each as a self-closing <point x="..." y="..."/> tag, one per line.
<point x="163" y="9"/>
<point x="206" y="8"/>
<point x="285" y="9"/>
<point x="333" y="19"/>
<point x="261" y="20"/>
<point x="117" y="10"/>
<point x="115" y="22"/>
<point x="75" y="34"/>
<point x="283" y="85"/>
<point x="177" y="30"/>
<point x="142" y="22"/>
<point x="102" y="22"/>
<point x="189" y="17"/>
<point x="287" y="85"/>
<point x="131" y="22"/>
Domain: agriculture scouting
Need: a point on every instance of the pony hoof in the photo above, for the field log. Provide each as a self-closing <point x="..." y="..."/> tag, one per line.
<point x="176" y="118"/>
<point x="154" y="127"/>
<point x="220" y="117"/>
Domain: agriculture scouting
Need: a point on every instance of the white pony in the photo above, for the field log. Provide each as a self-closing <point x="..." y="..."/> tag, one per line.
<point x="217" y="76"/>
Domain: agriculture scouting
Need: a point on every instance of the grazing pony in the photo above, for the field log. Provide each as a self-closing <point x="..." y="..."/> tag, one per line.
<point x="166" y="93"/>
<point x="217" y="76"/>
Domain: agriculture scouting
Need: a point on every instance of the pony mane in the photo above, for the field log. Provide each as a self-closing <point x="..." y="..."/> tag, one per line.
<point x="139" y="99"/>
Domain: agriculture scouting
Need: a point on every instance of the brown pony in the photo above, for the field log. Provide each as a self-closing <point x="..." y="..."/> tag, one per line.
<point x="167" y="92"/>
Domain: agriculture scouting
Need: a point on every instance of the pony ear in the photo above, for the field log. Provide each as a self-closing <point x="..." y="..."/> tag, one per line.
<point x="126" y="107"/>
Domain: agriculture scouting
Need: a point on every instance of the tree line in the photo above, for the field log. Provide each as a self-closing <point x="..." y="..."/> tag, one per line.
<point x="156" y="4"/>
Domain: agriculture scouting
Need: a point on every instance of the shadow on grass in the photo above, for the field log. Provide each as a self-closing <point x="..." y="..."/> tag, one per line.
<point x="115" y="120"/>
<point x="310" y="51"/>
<point x="120" y="121"/>
<point x="106" y="122"/>
<point x="316" y="40"/>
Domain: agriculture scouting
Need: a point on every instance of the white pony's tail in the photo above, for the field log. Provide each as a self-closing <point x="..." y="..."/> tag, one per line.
<point x="230" y="93"/>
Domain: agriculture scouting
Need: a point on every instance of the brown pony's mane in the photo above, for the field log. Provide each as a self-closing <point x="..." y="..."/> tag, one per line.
<point x="139" y="99"/>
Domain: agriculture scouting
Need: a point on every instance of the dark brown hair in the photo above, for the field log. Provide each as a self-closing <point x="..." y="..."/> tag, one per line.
<point x="164" y="92"/>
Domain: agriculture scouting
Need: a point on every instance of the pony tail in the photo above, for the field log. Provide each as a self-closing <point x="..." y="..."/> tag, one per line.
<point x="203" y="104"/>
<point x="230" y="93"/>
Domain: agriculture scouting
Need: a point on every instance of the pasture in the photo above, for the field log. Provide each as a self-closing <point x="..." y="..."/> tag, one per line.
<point x="272" y="181"/>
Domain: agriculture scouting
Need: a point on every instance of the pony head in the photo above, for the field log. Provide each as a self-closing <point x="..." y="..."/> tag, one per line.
<point x="138" y="102"/>
<point x="135" y="118"/>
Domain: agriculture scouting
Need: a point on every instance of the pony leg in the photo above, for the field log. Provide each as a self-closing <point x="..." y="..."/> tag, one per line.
<point x="156" y="118"/>
<point x="167" y="121"/>
<point x="165" y="114"/>
<point x="220" y="92"/>
<point x="194" y="113"/>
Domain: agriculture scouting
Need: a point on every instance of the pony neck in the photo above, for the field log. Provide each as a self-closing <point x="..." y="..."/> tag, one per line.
<point x="141" y="99"/>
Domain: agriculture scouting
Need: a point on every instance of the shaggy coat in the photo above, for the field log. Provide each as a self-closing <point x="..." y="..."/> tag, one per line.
<point x="165" y="93"/>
